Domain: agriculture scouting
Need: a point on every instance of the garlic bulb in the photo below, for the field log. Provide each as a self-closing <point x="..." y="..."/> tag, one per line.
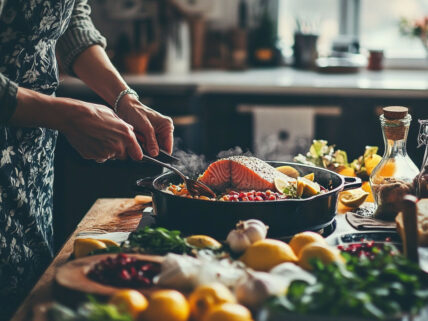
<point x="246" y="233"/>
<point x="256" y="287"/>
<point x="238" y="241"/>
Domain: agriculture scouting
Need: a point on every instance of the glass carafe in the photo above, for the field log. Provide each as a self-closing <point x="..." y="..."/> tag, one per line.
<point x="422" y="181"/>
<point x="394" y="175"/>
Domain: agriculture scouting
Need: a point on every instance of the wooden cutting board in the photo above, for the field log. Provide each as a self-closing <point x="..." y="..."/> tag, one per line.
<point x="73" y="275"/>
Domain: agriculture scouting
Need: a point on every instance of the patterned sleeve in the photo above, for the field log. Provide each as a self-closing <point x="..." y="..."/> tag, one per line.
<point x="80" y="35"/>
<point x="8" y="92"/>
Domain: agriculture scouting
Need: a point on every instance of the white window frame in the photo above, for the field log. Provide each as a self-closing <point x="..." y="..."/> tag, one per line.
<point x="349" y="27"/>
<point x="349" y="30"/>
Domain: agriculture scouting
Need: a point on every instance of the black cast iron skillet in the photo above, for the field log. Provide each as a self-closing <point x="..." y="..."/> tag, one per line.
<point x="216" y="218"/>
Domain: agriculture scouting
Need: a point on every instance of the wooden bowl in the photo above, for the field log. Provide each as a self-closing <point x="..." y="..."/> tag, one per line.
<point x="74" y="274"/>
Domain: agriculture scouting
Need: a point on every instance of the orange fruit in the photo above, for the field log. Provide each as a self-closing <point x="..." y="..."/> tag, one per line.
<point x="168" y="305"/>
<point x="300" y="240"/>
<point x="205" y="297"/>
<point x="366" y="187"/>
<point x="229" y="312"/>
<point x="347" y="171"/>
<point x="321" y="251"/>
<point x="263" y="255"/>
<point x="129" y="301"/>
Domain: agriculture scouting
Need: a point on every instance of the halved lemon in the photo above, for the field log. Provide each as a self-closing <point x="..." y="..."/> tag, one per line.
<point x="309" y="188"/>
<point x="82" y="247"/>
<point x="109" y="243"/>
<point x="310" y="176"/>
<point x="281" y="184"/>
<point x="289" y="171"/>
<point x="203" y="241"/>
<point x="353" y="198"/>
<point x="142" y="199"/>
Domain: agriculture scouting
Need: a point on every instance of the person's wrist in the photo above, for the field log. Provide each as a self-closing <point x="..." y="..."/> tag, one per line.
<point x="68" y="111"/>
<point x="127" y="102"/>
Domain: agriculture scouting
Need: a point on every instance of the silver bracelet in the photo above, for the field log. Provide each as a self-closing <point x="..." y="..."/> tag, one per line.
<point x="124" y="92"/>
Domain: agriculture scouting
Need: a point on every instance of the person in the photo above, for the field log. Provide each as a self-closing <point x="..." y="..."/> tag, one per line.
<point x="36" y="35"/>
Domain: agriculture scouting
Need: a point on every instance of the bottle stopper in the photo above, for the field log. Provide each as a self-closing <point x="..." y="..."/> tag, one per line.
<point x="395" y="130"/>
<point x="395" y="112"/>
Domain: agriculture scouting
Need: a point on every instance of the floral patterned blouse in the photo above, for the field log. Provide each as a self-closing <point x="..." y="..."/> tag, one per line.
<point x="31" y="31"/>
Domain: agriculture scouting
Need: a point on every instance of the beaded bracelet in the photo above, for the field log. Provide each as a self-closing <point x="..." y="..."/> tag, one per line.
<point x="124" y="92"/>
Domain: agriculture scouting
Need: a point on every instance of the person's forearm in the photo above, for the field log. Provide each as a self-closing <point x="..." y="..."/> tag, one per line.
<point x="38" y="110"/>
<point x="94" y="68"/>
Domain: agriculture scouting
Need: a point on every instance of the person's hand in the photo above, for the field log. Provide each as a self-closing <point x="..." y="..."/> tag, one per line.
<point x="156" y="128"/>
<point x="97" y="133"/>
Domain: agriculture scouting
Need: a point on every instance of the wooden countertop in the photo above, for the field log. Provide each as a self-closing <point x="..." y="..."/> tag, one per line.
<point x="106" y="215"/>
<point x="109" y="215"/>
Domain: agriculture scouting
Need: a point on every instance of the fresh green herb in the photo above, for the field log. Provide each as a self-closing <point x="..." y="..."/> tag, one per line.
<point x="385" y="286"/>
<point x="290" y="190"/>
<point x="322" y="155"/>
<point x="89" y="311"/>
<point x="157" y="241"/>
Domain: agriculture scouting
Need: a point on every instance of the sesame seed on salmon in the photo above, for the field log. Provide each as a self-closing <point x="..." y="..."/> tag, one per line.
<point x="241" y="173"/>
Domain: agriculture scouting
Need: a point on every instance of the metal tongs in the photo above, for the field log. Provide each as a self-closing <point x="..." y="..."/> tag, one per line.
<point x="193" y="186"/>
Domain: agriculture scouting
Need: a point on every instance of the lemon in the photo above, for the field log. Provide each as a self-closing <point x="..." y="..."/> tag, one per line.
<point x="310" y="176"/>
<point x="289" y="171"/>
<point x="300" y="188"/>
<point x="203" y="241"/>
<point x="371" y="162"/>
<point x="82" y="247"/>
<point x="321" y="251"/>
<point x="300" y="240"/>
<point x="129" y="301"/>
<point x="167" y="305"/>
<point x="109" y="242"/>
<point x="229" y="312"/>
<point x="309" y="188"/>
<point x="265" y="254"/>
<point x="205" y="297"/>
<point x="142" y="199"/>
<point x="281" y="184"/>
<point x="353" y="198"/>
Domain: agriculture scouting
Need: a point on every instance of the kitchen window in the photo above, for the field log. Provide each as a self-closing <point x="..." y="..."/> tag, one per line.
<point x="375" y="23"/>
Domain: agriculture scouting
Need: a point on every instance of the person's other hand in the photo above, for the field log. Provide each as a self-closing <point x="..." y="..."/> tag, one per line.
<point x="156" y="128"/>
<point x="97" y="133"/>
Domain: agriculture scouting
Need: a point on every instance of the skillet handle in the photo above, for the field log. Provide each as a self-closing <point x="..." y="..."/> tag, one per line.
<point x="351" y="182"/>
<point x="144" y="185"/>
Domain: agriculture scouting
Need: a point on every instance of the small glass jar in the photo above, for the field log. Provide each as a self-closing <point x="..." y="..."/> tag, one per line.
<point x="422" y="179"/>
<point x="394" y="175"/>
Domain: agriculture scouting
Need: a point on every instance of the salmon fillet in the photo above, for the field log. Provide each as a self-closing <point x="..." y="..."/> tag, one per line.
<point x="241" y="173"/>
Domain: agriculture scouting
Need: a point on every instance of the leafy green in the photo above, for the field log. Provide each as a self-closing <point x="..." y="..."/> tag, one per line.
<point x="322" y="155"/>
<point x="384" y="286"/>
<point x="157" y="241"/>
<point x="89" y="311"/>
<point x="290" y="190"/>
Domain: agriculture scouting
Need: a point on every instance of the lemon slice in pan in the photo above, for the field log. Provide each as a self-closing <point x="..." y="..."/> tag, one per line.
<point x="288" y="170"/>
